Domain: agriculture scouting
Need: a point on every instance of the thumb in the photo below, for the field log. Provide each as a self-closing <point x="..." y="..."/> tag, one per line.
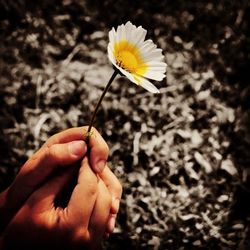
<point x="46" y="161"/>
<point x="38" y="168"/>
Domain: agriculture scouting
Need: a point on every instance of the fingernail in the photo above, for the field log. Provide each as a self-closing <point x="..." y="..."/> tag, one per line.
<point x="111" y="224"/>
<point x="115" y="205"/>
<point x="77" y="148"/>
<point x="99" y="166"/>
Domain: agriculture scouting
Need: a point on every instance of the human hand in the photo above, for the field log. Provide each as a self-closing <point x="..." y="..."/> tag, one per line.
<point x="39" y="224"/>
<point x="59" y="151"/>
<point x="98" y="157"/>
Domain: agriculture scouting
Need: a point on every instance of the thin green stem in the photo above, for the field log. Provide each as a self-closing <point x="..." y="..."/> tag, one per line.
<point x="100" y="100"/>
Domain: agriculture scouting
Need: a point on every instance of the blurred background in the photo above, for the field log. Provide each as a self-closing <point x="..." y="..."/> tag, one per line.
<point x="183" y="155"/>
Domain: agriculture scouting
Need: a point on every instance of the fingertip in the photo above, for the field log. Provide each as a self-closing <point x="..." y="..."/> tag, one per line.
<point x="77" y="148"/>
<point x="99" y="151"/>
<point x="98" y="158"/>
<point x="115" y="205"/>
<point x="99" y="166"/>
<point x="111" y="224"/>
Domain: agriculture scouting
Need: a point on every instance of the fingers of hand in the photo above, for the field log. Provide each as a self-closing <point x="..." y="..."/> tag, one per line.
<point x="99" y="151"/>
<point x="110" y="224"/>
<point x="100" y="215"/>
<point x="39" y="167"/>
<point x="114" y="187"/>
<point x="64" y="154"/>
<point x="99" y="148"/>
<point x="83" y="197"/>
<point x="72" y="134"/>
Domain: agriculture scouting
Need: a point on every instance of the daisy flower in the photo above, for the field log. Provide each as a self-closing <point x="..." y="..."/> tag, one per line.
<point x="136" y="58"/>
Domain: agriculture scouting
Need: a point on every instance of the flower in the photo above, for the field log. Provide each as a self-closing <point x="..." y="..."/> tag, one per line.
<point x="136" y="58"/>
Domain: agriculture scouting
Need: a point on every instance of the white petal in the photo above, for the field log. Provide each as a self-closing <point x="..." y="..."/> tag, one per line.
<point x="129" y="24"/>
<point x="119" y="33"/>
<point x="129" y="30"/>
<point x="148" y="85"/>
<point x="112" y="35"/>
<point x="150" y="59"/>
<point x="141" y="81"/>
<point x="148" y="46"/>
<point x="127" y="74"/>
<point x="157" y="65"/>
<point x="135" y="35"/>
<point x="130" y="27"/>
<point x="111" y="54"/>
<point x="155" y="55"/>
<point x="154" y="75"/>
<point x="139" y="36"/>
<point x="123" y="33"/>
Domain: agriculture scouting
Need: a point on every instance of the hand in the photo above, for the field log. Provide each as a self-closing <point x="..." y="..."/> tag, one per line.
<point x="58" y="152"/>
<point x="41" y="225"/>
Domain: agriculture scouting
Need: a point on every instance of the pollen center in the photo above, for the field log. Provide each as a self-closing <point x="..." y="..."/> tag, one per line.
<point x="127" y="61"/>
<point x="128" y="57"/>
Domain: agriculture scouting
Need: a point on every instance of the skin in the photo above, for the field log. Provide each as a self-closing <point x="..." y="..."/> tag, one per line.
<point x="30" y="215"/>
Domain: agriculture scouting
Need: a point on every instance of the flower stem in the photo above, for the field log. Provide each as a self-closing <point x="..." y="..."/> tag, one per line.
<point x="100" y="100"/>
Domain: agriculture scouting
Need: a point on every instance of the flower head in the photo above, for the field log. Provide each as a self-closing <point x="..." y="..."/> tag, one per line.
<point x="136" y="58"/>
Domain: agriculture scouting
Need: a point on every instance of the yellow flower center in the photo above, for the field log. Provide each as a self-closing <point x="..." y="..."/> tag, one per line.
<point x="128" y="57"/>
<point x="126" y="60"/>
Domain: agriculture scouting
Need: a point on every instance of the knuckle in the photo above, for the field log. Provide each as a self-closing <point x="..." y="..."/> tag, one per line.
<point x="51" y="151"/>
<point x="92" y="188"/>
<point x="52" y="155"/>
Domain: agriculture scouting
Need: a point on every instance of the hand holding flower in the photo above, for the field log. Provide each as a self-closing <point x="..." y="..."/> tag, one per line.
<point x="30" y="215"/>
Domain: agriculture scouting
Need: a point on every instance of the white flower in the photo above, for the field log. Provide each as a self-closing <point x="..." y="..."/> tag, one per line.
<point x="136" y="58"/>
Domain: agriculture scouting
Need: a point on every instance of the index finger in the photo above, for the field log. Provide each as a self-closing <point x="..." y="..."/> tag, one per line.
<point x="98" y="147"/>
